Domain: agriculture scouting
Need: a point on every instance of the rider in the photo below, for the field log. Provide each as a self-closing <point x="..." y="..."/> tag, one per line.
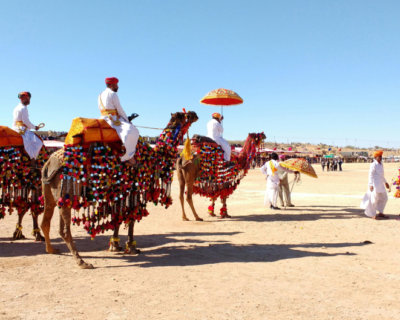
<point x="215" y="131"/>
<point x="22" y="125"/>
<point x="115" y="116"/>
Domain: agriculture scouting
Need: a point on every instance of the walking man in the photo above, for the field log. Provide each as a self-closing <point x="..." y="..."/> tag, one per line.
<point x="376" y="197"/>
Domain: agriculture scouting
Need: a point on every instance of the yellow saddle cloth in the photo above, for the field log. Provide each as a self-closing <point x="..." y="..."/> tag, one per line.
<point x="9" y="137"/>
<point x="85" y="130"/>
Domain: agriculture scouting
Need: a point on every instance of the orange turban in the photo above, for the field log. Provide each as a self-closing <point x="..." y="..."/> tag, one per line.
<point x="24" y="94"/>
<point x="216" y="115"/>
<point x="378" y="153"/>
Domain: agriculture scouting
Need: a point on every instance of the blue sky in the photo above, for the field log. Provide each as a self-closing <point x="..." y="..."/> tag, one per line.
<point x="313" y="71"/>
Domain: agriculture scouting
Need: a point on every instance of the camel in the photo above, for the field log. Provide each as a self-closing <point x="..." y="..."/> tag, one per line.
<point x="25" y="193"/>
<point x="163" y="156"/>
<point x="188" y="172"/>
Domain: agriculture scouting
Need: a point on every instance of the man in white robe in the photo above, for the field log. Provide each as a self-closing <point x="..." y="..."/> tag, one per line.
<point x="376" y="197"/>
<point x="284" y="188"/>
<point x="270" y="169"/>
<point x="214" y="131"/>
<point x="23" y="126"/>
<point x="112" y="112"/>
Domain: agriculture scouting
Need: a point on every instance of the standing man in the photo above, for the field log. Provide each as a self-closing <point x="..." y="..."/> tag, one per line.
<point x="323" y="164"/>
<point x="23" y="126"/>
<point x="271" y="170"/>
<point x="340" y="164"/>
<point x="284" y="185"/>
<point x="376" y="197"/>
<point x="215" y="130"/>
<point x="112" y="112"/>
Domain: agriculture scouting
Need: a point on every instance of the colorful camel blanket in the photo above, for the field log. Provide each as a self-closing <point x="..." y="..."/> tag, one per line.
<point x="20" y="186"/>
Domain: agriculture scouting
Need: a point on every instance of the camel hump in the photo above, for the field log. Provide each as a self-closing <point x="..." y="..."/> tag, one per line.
<point x="10" y="138"/>
<point x="52" y="166"/>
<point x="200" y="139"/>
<point x="85" y="130"/>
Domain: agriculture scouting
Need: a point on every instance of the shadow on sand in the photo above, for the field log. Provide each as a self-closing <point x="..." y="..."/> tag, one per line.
<point x="184" y="249"/>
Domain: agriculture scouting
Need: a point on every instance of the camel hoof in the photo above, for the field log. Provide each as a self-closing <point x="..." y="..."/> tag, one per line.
<point x="85" y="265"/>
<point x="17" y="235"/>
<point x="39" y="237"/>
<point x="212" y="215"/>
<point x="199" y="219"/>
<point x="53" y="251"/>
<point x="185" y="219"/>
<point x="114" y="248"/>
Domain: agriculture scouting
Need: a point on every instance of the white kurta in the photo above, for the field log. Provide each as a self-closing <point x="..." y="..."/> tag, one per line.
<point x="127" y="132"/>
<point x="377" y="199"/>
<point x="273" y="181"/>
<point x="214" y="131"/>
<point x="32" y="143"/>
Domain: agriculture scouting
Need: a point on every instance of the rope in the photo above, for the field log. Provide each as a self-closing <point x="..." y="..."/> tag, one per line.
<point x="149" y="128"/>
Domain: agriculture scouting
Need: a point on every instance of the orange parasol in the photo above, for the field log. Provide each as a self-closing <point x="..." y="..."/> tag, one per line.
<point x="300" y="165"/>
<point x="222" y="97"/>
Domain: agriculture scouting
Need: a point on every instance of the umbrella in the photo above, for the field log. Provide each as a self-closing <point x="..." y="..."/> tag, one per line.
<point x="300" y="165"/>
<point x="222" y="97"/>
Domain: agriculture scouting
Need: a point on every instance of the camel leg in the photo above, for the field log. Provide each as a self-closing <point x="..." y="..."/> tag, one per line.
<point x="49" y="206"/>
<point x="17" y="235"/>
<point x="182" y="185"/>
<point x="114" y="241"/>
<point x="224" y="210"/>
<point x="36" y="231"/>
<point x="211" y="211"/>
<point x="189" y="199"/>
<point x="65" y="233"/>
<point x="131" y="243"/>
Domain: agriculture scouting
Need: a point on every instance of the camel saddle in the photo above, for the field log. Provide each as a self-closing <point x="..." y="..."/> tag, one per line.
<point x="86" y="131"/>
<point x="10" y="138"/>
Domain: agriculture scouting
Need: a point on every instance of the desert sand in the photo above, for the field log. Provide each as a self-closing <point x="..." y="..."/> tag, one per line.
<point x="306" y="262"/>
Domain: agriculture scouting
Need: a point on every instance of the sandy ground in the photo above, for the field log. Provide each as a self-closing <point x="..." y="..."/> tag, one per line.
<point x="307" y="262"/>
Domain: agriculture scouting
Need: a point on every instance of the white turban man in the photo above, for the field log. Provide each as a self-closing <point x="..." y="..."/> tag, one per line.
<point x="112" y="112"/>
<point x="215" y="130"/>
<point x="22" y="124"/>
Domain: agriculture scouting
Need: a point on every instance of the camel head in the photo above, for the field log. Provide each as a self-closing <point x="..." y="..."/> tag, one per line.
<point x="183" y="118"/>
<point x="257" y="138"/>
<point x="191" y="116"/>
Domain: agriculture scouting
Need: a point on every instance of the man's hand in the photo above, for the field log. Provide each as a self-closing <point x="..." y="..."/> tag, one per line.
<point x="387" y="185"/>
<point x="36" y="128"/>
<point x="371" y="188"/>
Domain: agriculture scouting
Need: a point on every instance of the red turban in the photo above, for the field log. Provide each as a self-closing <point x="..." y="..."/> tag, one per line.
<point x="216" y="115"/>
<point x="24" y="94"/>
<point x="378" y="153"/>
<point x="111" y="80"/>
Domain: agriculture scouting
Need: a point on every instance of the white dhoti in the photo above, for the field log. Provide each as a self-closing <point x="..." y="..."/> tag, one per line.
<point x="374" y="201"/>
<point x="271" y="194"/>
<point x="32" y="144"/>
<point x="226" y="147"/>
<point x="128" y="134"/>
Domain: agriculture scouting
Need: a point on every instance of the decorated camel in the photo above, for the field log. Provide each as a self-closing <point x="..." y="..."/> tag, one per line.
<point x="205" y="172"/>
<point x="20" y="185"/>
<point x="88" y="177"/>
